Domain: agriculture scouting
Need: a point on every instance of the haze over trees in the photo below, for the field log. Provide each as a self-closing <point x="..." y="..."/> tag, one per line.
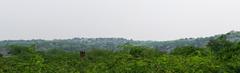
<point x="76" y="44"/>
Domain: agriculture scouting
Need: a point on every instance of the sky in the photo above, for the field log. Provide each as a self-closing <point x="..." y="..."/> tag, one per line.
<point x="132" y="19"/>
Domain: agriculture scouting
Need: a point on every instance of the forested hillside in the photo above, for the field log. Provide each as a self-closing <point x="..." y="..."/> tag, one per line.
<point x="76" y="44"/>
<point x="218" y="56"/>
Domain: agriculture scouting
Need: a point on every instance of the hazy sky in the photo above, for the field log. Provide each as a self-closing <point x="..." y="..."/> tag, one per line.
<point x="136" y="19"/>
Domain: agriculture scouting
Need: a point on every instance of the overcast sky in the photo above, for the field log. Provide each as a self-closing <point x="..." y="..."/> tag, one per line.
<point x="136" y="19"/>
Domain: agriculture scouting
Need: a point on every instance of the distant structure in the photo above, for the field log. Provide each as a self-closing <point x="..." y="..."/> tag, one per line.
<point x="82" y="54"/>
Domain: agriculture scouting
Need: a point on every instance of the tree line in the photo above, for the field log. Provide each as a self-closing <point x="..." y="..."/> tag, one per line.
<point x="218" y="56"/>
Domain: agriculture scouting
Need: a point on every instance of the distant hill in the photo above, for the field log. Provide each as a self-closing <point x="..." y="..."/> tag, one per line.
<point x="233" y="36"/>
<point x="70" y="44"/>
<point x="76" y="44"/>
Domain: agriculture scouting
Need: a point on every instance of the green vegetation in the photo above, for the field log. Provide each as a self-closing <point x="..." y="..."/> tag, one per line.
<point x="77" y="44"/>
<point x="218" y="56"/>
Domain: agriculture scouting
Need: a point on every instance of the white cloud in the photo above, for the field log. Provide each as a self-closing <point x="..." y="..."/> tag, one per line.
<point x="137" y="19"/>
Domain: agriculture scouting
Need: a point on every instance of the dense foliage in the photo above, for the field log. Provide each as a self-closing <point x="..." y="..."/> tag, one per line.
<point x="219" y="56"/>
